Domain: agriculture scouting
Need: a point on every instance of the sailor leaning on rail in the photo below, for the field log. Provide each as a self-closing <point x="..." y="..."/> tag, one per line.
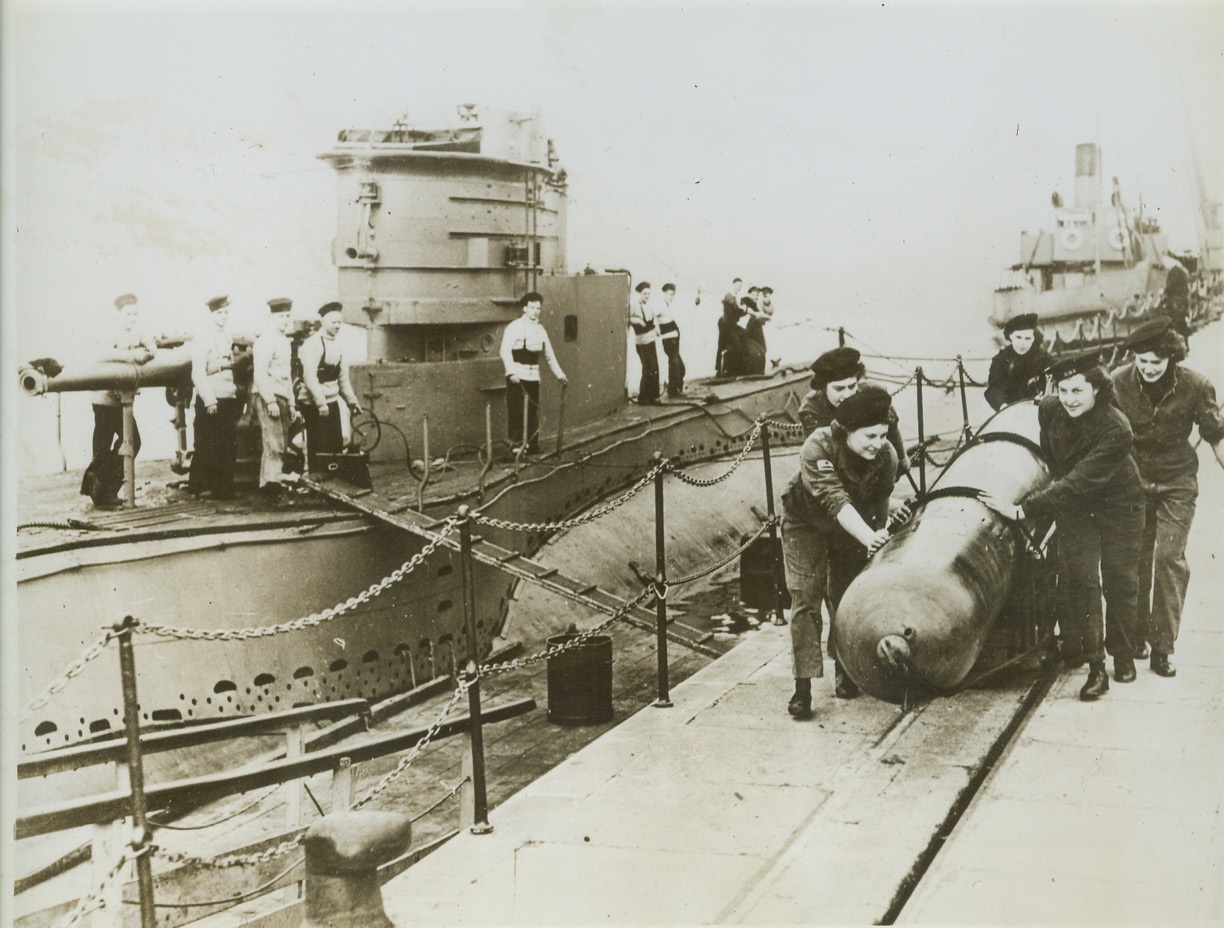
<point x="1017" y="372"/>
<point x="1097" y="500"/>
<point x="834" y="514"/>
<point x="836" y="375"/>
<point x="523" y="343"/>
<point x="1164" y="402"/>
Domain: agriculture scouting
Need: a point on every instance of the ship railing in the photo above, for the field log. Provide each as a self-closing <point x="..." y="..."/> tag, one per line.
<point x="123" y="813"/>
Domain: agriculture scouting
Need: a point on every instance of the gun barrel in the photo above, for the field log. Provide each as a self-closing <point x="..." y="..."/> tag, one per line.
<point x="918" y="615"/>
<point x="170" y="368"/>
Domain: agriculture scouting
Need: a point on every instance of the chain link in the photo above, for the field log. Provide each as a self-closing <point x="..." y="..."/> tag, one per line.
<point x="406" y="761"/>
<point x="225" y="861"/>
<point x="578" y="639"/>
<point x="74" y="668"/>
<point x="586" y="517"/>
<point x="92" y="900"/>
<point x="706" y="571"/>
<point x="784" y="426"/>
<point x="699" y="482"/>
<point x="318" y="618"/>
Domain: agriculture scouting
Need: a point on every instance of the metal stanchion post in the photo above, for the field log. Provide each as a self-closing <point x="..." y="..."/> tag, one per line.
<point x="561" y="419"/>
<point x="778" y="578"/>
<point x="960" y="371"/>
<point x="131" y="724"/>
<point x="480" y="824"/>
<point x="918" y="377"/>
<point x="663" y="701"/>
<point x="127" y="450"/>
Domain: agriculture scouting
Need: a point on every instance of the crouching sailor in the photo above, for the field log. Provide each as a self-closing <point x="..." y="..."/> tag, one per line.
<point x="834" y="514"/>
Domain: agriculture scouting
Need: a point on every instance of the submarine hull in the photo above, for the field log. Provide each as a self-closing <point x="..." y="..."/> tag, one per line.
<point x="916" y="619"/>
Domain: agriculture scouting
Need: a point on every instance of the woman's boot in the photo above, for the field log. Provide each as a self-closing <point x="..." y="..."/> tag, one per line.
<point x="1098" y="681"/>
<point x="800" y="705"/>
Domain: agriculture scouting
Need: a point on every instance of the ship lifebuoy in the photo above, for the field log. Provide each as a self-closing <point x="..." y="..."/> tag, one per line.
<point x="1071" y="239"/>
<point x="1117" y="238"/>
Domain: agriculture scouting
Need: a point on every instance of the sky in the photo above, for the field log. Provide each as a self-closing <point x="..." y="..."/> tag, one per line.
<point x="873" y="163"/>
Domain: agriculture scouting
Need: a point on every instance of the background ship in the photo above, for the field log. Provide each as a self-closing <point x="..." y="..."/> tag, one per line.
<point x="1100" y="267"/>
<point x="439" y="233"/>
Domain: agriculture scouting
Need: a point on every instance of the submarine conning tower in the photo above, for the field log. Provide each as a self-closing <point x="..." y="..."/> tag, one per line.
<point x="440" y="232"/>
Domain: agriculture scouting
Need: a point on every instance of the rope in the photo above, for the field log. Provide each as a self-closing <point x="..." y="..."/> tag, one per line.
<point x="221" y="821"/>
<point x="450" y="795"/>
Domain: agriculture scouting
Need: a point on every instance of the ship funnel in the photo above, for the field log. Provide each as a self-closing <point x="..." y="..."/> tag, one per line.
<point x="1087" y="167"/>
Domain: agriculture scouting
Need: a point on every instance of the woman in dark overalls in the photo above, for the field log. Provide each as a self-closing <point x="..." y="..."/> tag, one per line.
<point x="1097" y="500"/>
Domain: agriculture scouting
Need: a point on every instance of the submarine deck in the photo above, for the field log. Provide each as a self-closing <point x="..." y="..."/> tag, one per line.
<point x="164" y="508"/>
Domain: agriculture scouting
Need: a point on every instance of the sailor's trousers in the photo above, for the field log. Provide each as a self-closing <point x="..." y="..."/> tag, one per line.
<point x="1099" y="552"/>
<point x="1163" y="571"/>
<point x="820" y="563"/>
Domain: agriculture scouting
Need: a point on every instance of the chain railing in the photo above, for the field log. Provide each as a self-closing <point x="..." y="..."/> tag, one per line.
<point x="88" y="655"/>
<point x="318" y="618"/>
<point x="468" y="685"/>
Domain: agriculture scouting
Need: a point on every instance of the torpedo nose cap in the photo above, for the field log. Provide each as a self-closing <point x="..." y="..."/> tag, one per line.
<point x="894" y="653"/>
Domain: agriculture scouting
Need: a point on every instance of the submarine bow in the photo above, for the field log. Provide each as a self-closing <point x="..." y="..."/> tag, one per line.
<point x="916" y="619"/>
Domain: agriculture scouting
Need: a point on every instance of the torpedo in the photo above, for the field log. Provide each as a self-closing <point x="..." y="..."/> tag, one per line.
<point x="916" y="619"/>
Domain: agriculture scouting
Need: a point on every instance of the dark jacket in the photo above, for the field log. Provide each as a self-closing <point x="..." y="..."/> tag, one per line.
<point x="1014" y="377"/>
<point x="817" y="413"/>
<point x="832" y="476"/>
<point x="1162" y="431"/>
<point x="1089" y="459"/>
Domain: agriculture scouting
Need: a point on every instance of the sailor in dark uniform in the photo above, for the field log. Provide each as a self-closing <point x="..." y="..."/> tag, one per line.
<point x="669" y="335"/>
<point x="1097" y="500"/>
<point x="834" y="514"/>
<point x="1164" y="402"/>
<point x="217" y="407"/>
<point x="1017" y="372"/>
<point x="325" y="379"/>
<point x="523" y="344"/>
<point x="836" y="375"/>
<point x="645" y="336"/>
<point x="103" y="478"/>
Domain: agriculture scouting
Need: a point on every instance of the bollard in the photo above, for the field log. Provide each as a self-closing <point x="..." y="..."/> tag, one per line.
<point x="779" y="579"/>
<point x="131" y="725"/>
<point x="343" y="853"/>
<point x="663" y="701"/>
<point x="921" y="436"/>
<point x="475" y="732"/>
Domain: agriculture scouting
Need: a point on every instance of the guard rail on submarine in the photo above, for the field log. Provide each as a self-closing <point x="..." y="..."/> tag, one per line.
<point x="916" y="619"/>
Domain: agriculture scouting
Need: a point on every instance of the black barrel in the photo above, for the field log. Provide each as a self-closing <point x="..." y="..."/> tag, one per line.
<point x="580" y="681"/>
<point x="758" y="588"/>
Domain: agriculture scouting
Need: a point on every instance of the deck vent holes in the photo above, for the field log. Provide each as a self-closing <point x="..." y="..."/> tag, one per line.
<point x="445" y="570"/>
<point x="45" y="728"/>
<point x="265" y="679"/>
<point x="167" y="715"/>
<point x="369" y="657"/>
<point x="98" y="725"/>
<point x="225" y="686"/>
<point x="445" y="604"/>
<point x="337" y="665"/>
<point x="303" y="672"/>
